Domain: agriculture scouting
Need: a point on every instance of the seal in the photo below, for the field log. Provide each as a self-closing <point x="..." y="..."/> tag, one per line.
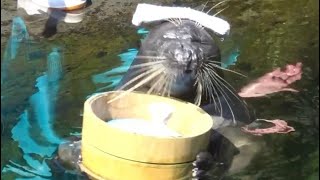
<point x="181" y="59"/>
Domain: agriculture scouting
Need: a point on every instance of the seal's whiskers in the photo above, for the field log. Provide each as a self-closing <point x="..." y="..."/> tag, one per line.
<point x="219" y="80"/>
<point x="158" y="83"/>
<point x="149" y="74"/>
<point x="138" y="77"/>
<point x="147" y="79"/>
<point x="146" y="64"/>
<point x="227" y="85"/>
<point x="224" y="96"/>
<point x="166" y="85"/>
<point x="210" y="88"/>
<point x="223" y="81"/>
<point x="171" y="81"/>
<point x="219" y="63"/>
<point x="198" y="24"/>
<point x="173" y="21"/>
<point x="197" y="100"/>
<point x="151" y="57"/>
<point x="215" y="6"/>
<point x="204" y="6"/>
<point x="220" y="11"/>
<point x="179" y="21"/>
<point x="176" y="21"/>
<point x="225" y="69"/>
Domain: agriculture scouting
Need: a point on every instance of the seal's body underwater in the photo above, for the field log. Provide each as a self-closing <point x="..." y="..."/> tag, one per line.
<point x="181" y="59"/>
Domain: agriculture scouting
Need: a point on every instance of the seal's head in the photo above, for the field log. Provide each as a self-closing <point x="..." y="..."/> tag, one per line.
<point x="173" y="55"/>
<point x="185" y="47"/>
<point x="180" y="59"/>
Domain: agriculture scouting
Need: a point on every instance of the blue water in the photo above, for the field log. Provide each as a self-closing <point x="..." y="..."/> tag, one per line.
<point x="42" y="106"/>
<point x="113" y="77"/>
<point x="19" y="36"/>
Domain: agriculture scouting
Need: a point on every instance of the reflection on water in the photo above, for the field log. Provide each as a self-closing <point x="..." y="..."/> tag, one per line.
<point x="114" y="76"/>
<point x="19" y="36"/>
<point x="42" y="142"/>
<point x="264" y="35"/>
<point x="55" y="15"/>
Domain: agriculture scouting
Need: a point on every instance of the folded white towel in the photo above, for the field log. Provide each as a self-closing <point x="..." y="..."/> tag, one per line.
<point x="149" y="13"/>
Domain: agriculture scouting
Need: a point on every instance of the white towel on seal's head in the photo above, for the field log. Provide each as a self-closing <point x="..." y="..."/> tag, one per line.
<point x="149" y="13"/>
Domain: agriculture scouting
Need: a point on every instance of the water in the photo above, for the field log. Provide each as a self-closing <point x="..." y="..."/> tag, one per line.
<point x="264" y="35"/>
<point x="19" y="36"/>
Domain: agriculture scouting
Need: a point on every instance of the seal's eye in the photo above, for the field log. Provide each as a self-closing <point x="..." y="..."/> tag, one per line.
<point x="188" y="71"/>
<point x="196" y="40"/>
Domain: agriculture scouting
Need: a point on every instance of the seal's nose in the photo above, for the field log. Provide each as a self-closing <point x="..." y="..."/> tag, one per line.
<point x="186" y="56"/>
<point x="182" y="55"/>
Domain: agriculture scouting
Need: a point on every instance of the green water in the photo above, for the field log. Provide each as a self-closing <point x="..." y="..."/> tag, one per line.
<point x="269" y="34"/>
